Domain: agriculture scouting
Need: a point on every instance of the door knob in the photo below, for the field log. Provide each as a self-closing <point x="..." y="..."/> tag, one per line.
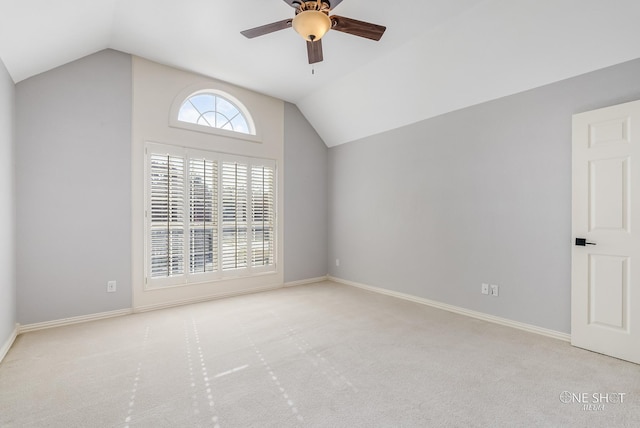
<point x="583" y="242"/>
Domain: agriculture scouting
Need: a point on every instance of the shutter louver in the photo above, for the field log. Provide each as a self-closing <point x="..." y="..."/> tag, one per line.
<point x="234" y="215"/>
<point x="263" y="218"/>
<point x="167" y="215"/>
<point x="203" y="216"/>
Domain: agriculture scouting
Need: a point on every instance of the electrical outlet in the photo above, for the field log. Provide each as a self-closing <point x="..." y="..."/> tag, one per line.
<point x="494" y="290"/>
<point x="337" y="262"/>
<point x="485" y="288"/>
<point x="111" y="287"/>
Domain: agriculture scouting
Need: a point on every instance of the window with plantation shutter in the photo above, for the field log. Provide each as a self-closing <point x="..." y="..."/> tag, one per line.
<point x="209" y="216"/>
<point x="203" y="215"/>
<point x="234" y="215"/>
<point x="262" y="221"/>
<point x="167" y="215"/>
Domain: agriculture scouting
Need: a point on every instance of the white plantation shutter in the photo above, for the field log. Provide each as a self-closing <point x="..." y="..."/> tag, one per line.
<point x="209" y="216"/>
<point x="234" y="215"/>
<point x="203" y="215"/>
<point x="167" y="215"/>
<point x="263" y="215"/>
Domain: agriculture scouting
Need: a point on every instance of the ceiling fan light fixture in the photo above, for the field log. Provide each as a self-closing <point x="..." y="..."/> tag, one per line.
<point x="312" y="21"/>
<point x="311" y="24"/>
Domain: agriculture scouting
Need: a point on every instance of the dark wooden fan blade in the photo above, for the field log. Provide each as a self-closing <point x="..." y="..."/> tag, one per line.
<point x="296" y="3"/>
<point x="314" y="50"/>
<point x="266" y="29"/>
<point x="357" y="28"/>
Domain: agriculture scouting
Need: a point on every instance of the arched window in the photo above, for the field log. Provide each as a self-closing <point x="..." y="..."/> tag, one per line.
<point x="212" y="109"/>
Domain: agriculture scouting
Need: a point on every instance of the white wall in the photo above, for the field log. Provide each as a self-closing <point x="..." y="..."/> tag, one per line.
<point x="7" y="209"/>
<point x="74" y="189"/>
<point x="305" y="201"/>
<point x="482" y="194"/>
<point x="495" y="49"/>
<point x="155" y="89"/>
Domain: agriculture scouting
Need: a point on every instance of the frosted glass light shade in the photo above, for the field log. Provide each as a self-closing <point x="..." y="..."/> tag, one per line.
<point x="311" y="24"/>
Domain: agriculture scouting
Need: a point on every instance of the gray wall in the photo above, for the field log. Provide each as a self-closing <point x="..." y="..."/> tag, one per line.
<point x="483" y="194"/>
<point x="73" y="176"/>
<point x="305" y="204"/>
<point x="7" y="208"/>
<point x="74" y="191"/>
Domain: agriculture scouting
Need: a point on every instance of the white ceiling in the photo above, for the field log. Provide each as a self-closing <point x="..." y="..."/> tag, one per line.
<point x="436" y="56"/>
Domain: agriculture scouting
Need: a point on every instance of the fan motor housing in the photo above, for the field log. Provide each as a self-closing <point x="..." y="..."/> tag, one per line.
<point x="323" y="6"/>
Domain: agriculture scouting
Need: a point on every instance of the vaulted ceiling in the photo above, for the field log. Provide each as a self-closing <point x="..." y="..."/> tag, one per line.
<point x="436" y="56"/>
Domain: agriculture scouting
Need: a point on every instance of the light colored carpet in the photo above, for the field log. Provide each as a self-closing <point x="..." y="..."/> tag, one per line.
<point x="323" y="355"/>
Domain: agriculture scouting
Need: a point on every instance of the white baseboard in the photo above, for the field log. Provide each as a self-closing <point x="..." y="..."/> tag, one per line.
<point x="103" y="315"/>
<point x="73" y="320"/>
<point x="458" y="310"/>
<point x="4" y="350"/>
<point x="306" y="281"/>
<point x="154" y="307"/>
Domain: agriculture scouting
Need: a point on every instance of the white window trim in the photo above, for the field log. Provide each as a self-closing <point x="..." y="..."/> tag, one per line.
<point x="200" y="278"/>
<point x="187" y="93"/>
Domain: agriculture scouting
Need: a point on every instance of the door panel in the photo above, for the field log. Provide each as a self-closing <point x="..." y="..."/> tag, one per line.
<point x="614" y="131"/>
<point x="608" y="290"/>
<point x="608" y="194"/>
<point x="605" y="278"/>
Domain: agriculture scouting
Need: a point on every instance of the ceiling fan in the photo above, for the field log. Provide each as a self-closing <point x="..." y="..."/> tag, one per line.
<point x="312" y="21"/>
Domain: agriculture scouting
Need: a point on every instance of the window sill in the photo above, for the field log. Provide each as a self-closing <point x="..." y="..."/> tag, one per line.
<point x="210" y="280"/>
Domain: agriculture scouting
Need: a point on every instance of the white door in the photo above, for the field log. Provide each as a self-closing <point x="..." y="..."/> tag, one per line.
<point x="605" y="278"/>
